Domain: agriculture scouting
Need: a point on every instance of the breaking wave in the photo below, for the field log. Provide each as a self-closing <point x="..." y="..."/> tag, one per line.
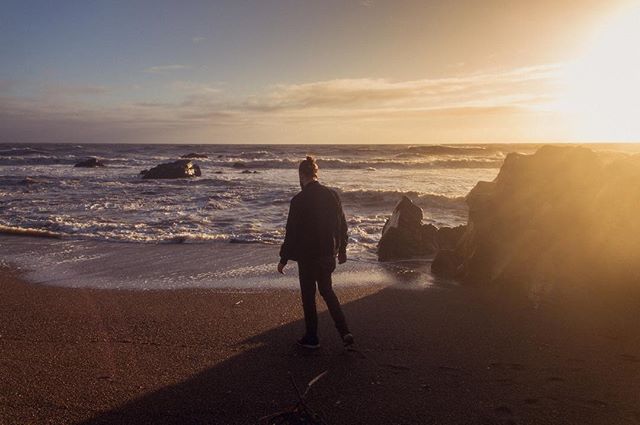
<point x="25" y="231"/>
<point x="337" y="164"/>
<point x="43" y="195"/>
<point x="371" y="198"/>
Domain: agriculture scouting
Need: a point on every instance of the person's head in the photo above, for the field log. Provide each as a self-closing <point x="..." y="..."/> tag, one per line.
<point x="307" y="170"/>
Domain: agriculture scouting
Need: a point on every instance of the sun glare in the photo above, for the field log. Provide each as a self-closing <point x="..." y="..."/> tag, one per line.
<point x="600" y="91"/>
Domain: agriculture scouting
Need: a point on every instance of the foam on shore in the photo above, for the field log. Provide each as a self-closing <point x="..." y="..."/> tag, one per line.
<point x="111" y="265"/>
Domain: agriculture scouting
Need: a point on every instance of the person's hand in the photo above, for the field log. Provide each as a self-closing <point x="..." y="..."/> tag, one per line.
<point x="342" y="258"/>
<point x="281" y="268"/>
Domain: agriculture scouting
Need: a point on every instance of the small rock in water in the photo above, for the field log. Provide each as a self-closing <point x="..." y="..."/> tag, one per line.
<point x="30" y="180"/>
<point x="197" y="170"/>
<point x="194" y="155"/>
<point x="90" y="163"/>
<point x="173" y="170"/>
<point x="405" y="237"/>
<point x="402" y="234"/>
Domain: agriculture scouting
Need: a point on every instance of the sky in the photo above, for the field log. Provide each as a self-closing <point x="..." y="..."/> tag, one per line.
<point x="319" y="71"/>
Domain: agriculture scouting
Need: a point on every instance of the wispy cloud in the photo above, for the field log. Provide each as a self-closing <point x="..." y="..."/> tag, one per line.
<point x="191" y="87"/>
<point x="507" y="88"/>
<point x="384" y="107"/>
<point x="197" y="40"/>
<point x="163" y="69"/>
<point x="74" y="90"/>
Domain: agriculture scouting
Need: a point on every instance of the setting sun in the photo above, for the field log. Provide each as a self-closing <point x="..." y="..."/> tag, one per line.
<point x="600" y="90"/>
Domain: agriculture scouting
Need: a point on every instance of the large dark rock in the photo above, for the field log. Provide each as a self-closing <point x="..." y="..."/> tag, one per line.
<point x="173" y="170"/>
<point x="446" y="263"/>
<point x="564" y="215"/>
<point x="90" y="163"/>
<point x="402" y="235"/>
<point x="194" y="155"/>
<point x="405" y="237"/>
<point x="449" y="237"/>
<point x="197" y="171"/>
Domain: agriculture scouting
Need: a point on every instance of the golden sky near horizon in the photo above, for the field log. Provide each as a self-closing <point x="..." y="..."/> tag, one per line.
<point x="361" y="71"/>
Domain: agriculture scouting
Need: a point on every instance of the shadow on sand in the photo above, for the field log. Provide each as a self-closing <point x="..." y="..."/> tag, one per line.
<point x="443" y="355"/>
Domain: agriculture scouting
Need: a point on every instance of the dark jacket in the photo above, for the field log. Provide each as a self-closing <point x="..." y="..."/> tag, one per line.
<point x="316" y="226"/>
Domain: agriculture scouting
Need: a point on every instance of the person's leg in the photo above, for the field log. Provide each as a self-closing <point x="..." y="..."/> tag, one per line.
<point x="307" y="274"/>
<point x="326" y="267"/>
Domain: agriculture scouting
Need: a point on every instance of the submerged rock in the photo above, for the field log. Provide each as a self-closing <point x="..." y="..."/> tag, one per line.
<point x="195" y="155"/>
<point x="30" y="180"/>
<point x="173" y="170"/>
<point x="90" y="163"/>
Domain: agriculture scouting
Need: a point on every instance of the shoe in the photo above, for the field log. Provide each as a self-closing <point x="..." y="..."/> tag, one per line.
<point x="347" y="340"/>
<point x="307" y="342"/>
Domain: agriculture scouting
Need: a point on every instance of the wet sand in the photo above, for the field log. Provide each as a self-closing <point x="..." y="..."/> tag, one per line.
<point x="193" y="356"/>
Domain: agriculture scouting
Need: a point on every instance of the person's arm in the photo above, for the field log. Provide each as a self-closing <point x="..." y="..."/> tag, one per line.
<point x="342" y="233"/>
<point x="290" y="234"/>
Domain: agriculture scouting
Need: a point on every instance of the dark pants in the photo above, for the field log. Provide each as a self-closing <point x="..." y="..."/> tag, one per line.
<point x="318" y="271"/>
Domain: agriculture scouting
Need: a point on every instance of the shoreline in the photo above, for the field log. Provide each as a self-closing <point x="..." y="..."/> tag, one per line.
<point x="221" y="265"/>
<point x="450" y="356"/>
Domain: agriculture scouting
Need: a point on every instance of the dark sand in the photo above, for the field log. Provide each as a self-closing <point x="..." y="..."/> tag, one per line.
<point x="448" y="356"/>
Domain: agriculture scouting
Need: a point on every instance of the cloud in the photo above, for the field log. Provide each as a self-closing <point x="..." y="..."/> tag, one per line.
<point x="508" y="88"/>
<point x="191" y="87"/>
<point x="496" y="102"/>
<point x="74" y="90"/>
<point x="163" y="69"/>
<point x="197" y="40"/>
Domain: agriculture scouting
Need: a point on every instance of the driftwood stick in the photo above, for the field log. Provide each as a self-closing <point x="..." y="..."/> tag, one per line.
<point x="313" y="381"/>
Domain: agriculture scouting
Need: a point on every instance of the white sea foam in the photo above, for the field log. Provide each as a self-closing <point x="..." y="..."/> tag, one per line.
<point x="108" y="265"/>
<point x="41" y="190"/>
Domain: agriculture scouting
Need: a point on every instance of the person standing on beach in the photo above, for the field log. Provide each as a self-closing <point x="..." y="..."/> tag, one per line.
<point x="316" y="233"/>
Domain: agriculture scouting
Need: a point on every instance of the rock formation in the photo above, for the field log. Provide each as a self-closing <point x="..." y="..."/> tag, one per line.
<point x="90" y="163"/>
<point x="561" y="215"/>
<point x="173" y="170"/>
<point x="405" y="237"/>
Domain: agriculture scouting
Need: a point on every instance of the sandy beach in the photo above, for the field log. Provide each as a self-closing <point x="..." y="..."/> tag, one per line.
<point x="443" y="355"/>
<point x="473" y="168"/>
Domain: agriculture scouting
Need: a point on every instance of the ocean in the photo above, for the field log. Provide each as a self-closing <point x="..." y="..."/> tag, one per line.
<point x="110" y="214"/>
<point x="40" y="189"/>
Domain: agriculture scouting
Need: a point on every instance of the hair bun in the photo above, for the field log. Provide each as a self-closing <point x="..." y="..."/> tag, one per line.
<point x="308" y="167"/>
